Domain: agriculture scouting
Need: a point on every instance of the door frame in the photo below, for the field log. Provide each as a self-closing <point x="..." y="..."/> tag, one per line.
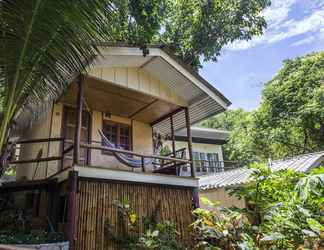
<point x="63" y="130"/>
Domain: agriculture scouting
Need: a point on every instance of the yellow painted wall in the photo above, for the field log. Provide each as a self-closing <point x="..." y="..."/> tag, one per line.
<point x="142" y="140"/>
<point x="137" y="79"/>
<point x="141" y="132"/>
<point x="41" y="129"/>
<point x="222" y="196"/>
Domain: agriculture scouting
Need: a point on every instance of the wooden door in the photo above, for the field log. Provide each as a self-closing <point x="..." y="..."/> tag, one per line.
<point x="68" y="132"/>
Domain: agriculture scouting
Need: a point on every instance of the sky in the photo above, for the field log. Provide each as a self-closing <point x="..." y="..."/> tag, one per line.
<point x="295" y="28"/>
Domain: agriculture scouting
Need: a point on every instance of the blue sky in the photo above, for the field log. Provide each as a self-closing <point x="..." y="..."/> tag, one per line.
<point x="295" y="28"/>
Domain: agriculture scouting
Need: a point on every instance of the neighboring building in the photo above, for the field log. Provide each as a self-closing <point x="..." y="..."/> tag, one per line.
<point x="207" y="150"/>
<point x="73" y="180"/>
<point x="213" y="187"/>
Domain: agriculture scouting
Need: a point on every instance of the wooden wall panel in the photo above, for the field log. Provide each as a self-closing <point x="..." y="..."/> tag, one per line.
<point x="95" y="208"/>
<point x="140" y="80"/>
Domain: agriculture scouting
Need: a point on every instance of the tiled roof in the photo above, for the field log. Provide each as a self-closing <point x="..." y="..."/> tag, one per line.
<point x="301" y="163"/>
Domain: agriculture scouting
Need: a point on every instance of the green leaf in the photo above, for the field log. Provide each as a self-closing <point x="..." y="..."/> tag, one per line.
<point x="273" y="237"/>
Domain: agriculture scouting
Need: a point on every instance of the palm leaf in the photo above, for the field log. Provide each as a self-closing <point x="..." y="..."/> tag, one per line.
<point x="43" y="43"/>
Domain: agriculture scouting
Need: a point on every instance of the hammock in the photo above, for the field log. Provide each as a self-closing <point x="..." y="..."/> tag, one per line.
<point x="122" y="157"/>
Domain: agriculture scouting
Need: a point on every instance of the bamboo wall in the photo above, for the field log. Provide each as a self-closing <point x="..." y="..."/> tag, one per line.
<point x="95" y="207"/>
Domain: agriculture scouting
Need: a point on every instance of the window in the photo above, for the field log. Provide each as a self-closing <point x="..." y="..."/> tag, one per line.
<point x="213" y="161"/>
<point x="196" y="161"/>
<point x="117" y="133"/>
<point x="203" y="161"/>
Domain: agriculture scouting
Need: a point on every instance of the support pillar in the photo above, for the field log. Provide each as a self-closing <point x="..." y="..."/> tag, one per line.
<point x="71" y="220"/>
<point x="189" y="138"/>
<point x="172" y="137"/>
<point x="195" y="192"/>
<point x="78" y="123"/>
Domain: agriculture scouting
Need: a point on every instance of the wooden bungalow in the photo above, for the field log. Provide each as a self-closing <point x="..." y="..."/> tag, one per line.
<point x="129" y="94"/>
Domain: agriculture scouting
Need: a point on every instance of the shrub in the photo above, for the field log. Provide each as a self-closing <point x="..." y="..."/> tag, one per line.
<point x="285" y="210"/>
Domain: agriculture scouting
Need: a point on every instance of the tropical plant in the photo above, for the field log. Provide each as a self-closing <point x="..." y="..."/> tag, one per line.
<point x="155" y="236"/>
<point x="44" y="44"/>
<point x="284" y="211"/>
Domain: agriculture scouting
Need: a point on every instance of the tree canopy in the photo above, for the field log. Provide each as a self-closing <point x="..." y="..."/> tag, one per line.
<point x="289" y="120"/>
<point x="194" y="29"/>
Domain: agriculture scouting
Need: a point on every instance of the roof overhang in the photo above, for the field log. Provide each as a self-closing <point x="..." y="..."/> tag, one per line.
<point x="203" y="99"/>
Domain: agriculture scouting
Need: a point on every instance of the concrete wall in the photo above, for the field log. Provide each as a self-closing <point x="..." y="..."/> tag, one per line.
<point x="221" y="195"/>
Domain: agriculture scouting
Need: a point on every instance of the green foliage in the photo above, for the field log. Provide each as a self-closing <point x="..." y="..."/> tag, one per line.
<point x="242" y="142"/>
<point x="43" y="45"/>
<point x="291" y="115"/>
<point x="284" y="211"/>
<point x="160" y="236"/>
<point x="290" y="119"/>
<point x="156" y="235"/>
<point x="192" y="28"/>
<point x="221" y="229"/>
<point x="196" y="28"/>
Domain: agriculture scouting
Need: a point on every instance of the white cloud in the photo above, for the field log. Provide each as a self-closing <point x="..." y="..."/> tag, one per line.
<point x="281" y="26"/>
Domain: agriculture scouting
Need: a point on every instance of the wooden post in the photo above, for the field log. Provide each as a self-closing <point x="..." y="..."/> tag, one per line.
<point x="172" y="136"/>
<point x="71" y="220"/>
<point x="143" y="164"/>
<point x="189" y="138"/>
<point x="78" y="123"/>
<point x="195" y="193"/>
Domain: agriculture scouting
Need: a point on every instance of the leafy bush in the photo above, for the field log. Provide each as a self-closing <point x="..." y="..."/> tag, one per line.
<point x="157" y="235"/>
<point x="285" y="210"/>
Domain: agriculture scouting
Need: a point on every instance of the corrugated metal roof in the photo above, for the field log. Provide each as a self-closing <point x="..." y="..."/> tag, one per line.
<point x="301" y="163"/>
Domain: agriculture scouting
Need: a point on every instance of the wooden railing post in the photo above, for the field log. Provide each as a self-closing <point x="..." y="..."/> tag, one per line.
<point x="71" y="220"/>
<point x="143" y="163"/>
<point x="77" y="135"/>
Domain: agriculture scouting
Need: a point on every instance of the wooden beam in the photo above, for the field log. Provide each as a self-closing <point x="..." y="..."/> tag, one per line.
<point x="167" y="116"/>
<point x="52" y="158"/>
<point x="71" y="220"/>
<point x="189" y="138"/>
<point x="78" y="122"/>
<point x="39" y="140"/>
<point x="142" y="108"/>
<point x="172" y="136"/>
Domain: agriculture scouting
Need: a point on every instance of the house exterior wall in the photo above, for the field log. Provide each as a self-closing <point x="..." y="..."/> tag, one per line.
<point x="198" y="147"/>
<point x="41" y="129"/>
<point x="222" y="196"/>
<point x="137" y="79"/>
<point x="141" y="142"/>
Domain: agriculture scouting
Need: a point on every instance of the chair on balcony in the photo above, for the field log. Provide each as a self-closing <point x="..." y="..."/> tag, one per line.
<point x="123" y="157"/>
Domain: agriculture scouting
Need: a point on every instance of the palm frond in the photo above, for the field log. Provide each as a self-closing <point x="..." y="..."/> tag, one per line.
<point x="42" y="44"/>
